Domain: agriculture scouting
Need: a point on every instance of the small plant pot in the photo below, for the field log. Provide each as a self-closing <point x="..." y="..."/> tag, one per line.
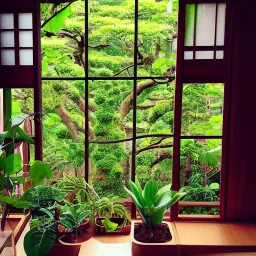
<point x="119" y="231"/>
<point x="67" y="250"/>
<point x="146" y="249"/>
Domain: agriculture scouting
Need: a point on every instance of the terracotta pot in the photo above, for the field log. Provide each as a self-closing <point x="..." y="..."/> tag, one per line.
<point x="120" y="230"/>
<point x="148" y="249"/>
<point x="67" y="250"/>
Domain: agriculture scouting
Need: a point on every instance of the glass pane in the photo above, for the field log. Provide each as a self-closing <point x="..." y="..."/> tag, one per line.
<point x="188" y="55"/>
<point x="190" y="24"/>
<point x="110" y="103"/>
<point x="26" y="39"/>
<point x="220" y="55"/>
<point x="25" y="21"/>
<point x="155" y="109"/>
<point x="200" y="161"/>
<point x="26" y="57"/>
<point x="63" y="54"/>
<point x="221" y="24"/>
<point x="204" y="55"/>
<point x="63" y="126"/>
<point x="111" y="35"/>
<point x="154" y="160"/>
<point x="156" y="42"/>
<point x="205" y="24"/>
<point x="197" y="210"/>
<point x="110" y="168"/>
<point x="202" y="109"/>
<point x="6" y="21"/>
<point x="7" y="57"/>
<point x="7" y="39"/>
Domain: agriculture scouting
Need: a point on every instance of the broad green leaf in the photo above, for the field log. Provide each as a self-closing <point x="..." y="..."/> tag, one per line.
<point x="13" y="164"/>
<point x="109" y="225"/>
<point x="57" y="22"/>
<point x="168" y="199"/>
<point x="150" y="192"/>
<point x="161" y="191"/>
<point x="18" y="203"/>
<point x="38" y="242"/>
<point x="39" y="171"/>
<point x="18" y="120"/>
<point x="24" y="136"/>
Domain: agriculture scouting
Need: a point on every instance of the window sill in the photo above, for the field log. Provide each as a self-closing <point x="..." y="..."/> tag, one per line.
<point x="193" y="238"/>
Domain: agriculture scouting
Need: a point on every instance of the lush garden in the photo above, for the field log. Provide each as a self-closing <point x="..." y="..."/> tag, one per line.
<point x="111" y="49"/>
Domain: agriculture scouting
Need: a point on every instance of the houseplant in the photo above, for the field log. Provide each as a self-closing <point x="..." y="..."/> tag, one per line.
<point x="50" y="210"/>
<point x="152" y="235"/>
<point x="112" y="216"/>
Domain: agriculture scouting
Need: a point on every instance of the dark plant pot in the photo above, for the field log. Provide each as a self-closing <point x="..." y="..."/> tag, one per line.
<point x="147" y="249"/>
<point x="120" y="230"/>
<point x="67" y="250"/>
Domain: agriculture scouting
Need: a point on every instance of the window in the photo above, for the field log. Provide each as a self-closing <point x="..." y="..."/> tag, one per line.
<point x="115" y="103"/>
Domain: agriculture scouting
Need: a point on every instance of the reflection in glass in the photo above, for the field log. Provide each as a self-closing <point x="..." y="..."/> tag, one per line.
<point x="190" y="24"/>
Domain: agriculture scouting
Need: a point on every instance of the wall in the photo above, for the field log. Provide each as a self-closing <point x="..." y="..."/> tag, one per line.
<point x="240" y="200"/>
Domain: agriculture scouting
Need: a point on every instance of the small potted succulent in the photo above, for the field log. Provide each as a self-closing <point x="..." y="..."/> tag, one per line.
<point x="112" y="217"/>
<point x="152" y="235"/>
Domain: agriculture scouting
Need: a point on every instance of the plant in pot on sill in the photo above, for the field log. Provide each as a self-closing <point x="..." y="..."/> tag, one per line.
<point x="152" y="234"/>
<point x="112" y="217"/>
<point x="56" y="223"/>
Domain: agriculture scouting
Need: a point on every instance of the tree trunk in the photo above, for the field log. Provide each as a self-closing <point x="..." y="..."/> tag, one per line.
<point x="65" y="117"/>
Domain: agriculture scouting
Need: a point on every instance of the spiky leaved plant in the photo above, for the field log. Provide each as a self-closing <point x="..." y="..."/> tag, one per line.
<point x="152" y="202"/>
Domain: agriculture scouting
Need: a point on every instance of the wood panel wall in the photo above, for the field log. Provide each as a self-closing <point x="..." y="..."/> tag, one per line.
<point x="240" y="196"/>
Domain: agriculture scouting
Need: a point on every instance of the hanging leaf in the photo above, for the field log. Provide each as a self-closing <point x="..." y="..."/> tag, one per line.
<point x="13" y="164"/>
<point x="39" y="171"/>
<point x="214" y="186"/>
<point x="57" y="21"/>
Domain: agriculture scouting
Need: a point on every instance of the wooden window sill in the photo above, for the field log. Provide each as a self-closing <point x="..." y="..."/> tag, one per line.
<point x="193" y="238"/>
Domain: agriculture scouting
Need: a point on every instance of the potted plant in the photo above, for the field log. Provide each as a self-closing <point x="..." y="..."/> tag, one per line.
<point x="152" y="235"/>
<point x="50" y="210"/>
<point x="112" y="217"/>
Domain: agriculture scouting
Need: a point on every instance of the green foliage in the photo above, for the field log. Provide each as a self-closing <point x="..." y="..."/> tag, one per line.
<point x="73" y="215"/>
<point x="109" y="225"/>
<point x="74" y="188"/>
<point x="39" y="171"/>
<point x="38" y="241"/>
<point x="37" y="197"/>
<point x="110" y="207"/>
<point x="152" y="202"/>
<point x="13" y="164"/>
<point x="56" y="22"/>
